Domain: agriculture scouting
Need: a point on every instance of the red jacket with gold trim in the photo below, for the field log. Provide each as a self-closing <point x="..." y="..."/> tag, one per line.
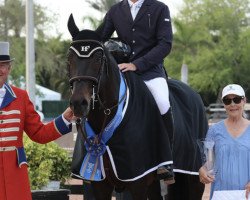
<point x="17" y="115"/>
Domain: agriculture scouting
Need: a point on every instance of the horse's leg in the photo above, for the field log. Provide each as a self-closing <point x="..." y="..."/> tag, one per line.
<point x="154" y="191"/>
<point x="102" y="190"/>
<point x="186" y="187"/>
<point x="138" y="191"/>
<point x="176" y="190"/>
<point x="139" y="188"/>
<point x="88" y="192"/>
<point x="125" y="195"/>
<point x="194" y="182"/>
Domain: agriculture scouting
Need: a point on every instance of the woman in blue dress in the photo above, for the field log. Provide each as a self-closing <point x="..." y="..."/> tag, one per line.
<point x="231" y="139"/>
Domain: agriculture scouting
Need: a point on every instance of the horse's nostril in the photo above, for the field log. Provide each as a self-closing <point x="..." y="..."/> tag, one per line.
<point x="84" y="102"/>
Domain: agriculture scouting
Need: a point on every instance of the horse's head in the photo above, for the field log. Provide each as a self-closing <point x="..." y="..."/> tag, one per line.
<point x="86" y="60"/>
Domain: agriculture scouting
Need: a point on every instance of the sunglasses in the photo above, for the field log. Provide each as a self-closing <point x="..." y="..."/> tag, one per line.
<point x="228" y="101"/>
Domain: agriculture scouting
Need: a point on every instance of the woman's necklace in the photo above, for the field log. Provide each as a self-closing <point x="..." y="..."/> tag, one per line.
<point x="236" y="126"/>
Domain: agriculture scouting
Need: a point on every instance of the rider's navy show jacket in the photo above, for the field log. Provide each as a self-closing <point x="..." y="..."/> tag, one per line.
<point x="149" y="35"/>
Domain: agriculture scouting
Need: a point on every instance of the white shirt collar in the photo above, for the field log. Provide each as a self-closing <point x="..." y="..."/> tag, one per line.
<point x="2" y="94"/>
<point x="2" y="89"/>
<point x="137" y="3"/>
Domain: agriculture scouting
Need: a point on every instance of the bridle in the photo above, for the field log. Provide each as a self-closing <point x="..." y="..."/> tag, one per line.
<point x="95" y="80"/>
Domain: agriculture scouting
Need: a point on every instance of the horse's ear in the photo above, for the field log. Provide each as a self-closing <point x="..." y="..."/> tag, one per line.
<point x="99" y="29"/>
<point x="73" y="29"/>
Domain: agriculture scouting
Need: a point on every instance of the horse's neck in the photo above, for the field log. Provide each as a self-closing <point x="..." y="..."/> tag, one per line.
<point x="109" y="97"/>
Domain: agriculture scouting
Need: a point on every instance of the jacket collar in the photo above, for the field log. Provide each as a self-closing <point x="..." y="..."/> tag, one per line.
<point x="9" y="96"/>
<point x="143" y="9"/>
<point x="146" y="2"/>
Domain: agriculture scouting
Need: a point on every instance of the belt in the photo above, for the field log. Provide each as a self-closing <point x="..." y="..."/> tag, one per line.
<point x="7" y="148"/>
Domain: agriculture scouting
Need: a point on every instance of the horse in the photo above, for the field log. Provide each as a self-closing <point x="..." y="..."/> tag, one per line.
<point x="121" y="125"/>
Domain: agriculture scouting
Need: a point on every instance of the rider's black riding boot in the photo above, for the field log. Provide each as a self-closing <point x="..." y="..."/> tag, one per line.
<point x="166" y="172"/>
<point x="169" y="125"/>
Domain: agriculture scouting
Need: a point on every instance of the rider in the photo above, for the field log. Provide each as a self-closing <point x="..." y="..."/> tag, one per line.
<point x="145" y="25"/>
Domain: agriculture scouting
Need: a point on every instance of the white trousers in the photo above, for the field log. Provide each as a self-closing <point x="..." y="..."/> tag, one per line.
<point x="159" y="89"/>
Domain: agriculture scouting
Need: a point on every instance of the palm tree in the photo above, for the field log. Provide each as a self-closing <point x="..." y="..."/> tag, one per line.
<point x="12" y="18"/>
<point x="186" y="40"/>
<point x="102" y="6"/>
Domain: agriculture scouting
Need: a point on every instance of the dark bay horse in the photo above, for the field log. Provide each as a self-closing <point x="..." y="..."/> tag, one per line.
<point x="121" y="124"/>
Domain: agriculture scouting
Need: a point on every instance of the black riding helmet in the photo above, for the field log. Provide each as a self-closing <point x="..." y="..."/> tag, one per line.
<point x="119" y="50"/>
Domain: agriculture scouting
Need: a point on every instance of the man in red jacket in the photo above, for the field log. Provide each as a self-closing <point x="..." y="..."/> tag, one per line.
<point x="17" y="115"/>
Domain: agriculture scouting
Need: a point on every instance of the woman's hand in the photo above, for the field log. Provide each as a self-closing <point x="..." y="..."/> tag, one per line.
<point x="205" y="177"/>
<point x="247" y="187"/>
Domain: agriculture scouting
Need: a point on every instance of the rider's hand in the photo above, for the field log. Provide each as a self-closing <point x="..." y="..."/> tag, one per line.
<point x="127" y="67"/>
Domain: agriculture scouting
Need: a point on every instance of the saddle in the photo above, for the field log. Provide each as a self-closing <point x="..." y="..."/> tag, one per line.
<point x="119" y="50"/>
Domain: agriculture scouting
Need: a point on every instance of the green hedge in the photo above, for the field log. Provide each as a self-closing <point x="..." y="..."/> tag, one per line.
<point x="46" y="162"/>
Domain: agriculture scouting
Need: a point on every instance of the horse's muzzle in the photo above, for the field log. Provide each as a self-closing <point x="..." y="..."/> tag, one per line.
<point x="80" y="108"/>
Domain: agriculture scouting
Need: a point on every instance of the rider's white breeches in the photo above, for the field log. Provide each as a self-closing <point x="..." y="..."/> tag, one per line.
<point x="159" y="89"/>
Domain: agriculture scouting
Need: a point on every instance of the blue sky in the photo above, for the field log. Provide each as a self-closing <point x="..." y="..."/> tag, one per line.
<point x="80" y="8"/>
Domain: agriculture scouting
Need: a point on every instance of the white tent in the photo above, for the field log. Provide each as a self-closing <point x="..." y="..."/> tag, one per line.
<point x="43" y="93"/>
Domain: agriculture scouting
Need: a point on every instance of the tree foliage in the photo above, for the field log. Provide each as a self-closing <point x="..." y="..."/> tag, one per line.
<point x="101" y="6"/>
<point x="50" y="52"/>
<point x="212" y="39"/>
<point x="12" y="18"/>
